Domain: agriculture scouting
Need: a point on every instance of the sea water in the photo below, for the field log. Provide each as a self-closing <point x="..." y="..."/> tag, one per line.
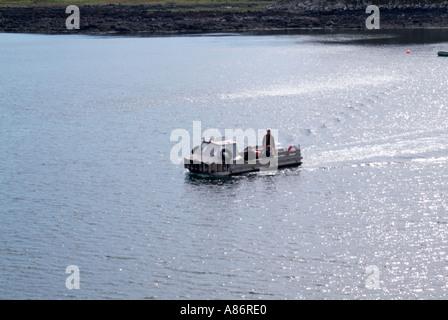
<point x="93" y="207"/>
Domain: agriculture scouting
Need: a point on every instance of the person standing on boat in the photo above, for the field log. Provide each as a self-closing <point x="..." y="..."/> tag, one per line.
<point x="268" y="143"/>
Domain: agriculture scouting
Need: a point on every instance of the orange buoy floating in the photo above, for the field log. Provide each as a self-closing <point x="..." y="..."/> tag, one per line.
<point x="409" y="51"/>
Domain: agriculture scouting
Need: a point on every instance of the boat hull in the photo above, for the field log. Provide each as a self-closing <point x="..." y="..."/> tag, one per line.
<point x="442" y="53"/>
<point x="282" y="160"/>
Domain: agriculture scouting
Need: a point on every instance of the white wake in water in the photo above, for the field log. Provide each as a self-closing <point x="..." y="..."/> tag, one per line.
<point x="433" y="148"/>
<point x="310" y="87"/>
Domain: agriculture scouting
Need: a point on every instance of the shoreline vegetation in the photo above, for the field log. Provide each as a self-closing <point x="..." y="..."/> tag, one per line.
<point x="158" y="17"/>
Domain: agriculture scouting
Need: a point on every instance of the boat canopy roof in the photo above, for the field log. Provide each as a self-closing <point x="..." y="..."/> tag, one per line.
<point x="220" y="142"/>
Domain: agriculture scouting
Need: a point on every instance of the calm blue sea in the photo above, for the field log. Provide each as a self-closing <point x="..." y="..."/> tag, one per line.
<point x="86" y="177"/>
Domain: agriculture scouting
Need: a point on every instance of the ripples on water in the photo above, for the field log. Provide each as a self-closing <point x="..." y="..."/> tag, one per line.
<point x="86" y="177"/>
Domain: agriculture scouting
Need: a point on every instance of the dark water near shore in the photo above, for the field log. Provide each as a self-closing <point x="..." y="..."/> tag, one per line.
<point x="87" y="180"/>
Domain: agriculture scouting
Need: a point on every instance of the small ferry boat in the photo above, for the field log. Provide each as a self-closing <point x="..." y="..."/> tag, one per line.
<point x="442" y="53"/>
<point x="221" y="158"/>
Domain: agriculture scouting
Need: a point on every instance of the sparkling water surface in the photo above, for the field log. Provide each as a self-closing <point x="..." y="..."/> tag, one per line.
<point x="87" y="179"/>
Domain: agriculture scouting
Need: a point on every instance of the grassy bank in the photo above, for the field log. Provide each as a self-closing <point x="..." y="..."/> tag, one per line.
<point x="212" y="2"/>
<point x="233" y="5"/>
<point x="21" y="3"/>
<point x="133" y="2"/>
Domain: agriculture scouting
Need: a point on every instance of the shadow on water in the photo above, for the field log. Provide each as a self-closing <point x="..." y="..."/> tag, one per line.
<point x="386" y="37"/>
<point x="205" y="179"/>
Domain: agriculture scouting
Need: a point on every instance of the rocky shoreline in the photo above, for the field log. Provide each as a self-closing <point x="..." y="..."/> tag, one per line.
<point x="155" y="20"/>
